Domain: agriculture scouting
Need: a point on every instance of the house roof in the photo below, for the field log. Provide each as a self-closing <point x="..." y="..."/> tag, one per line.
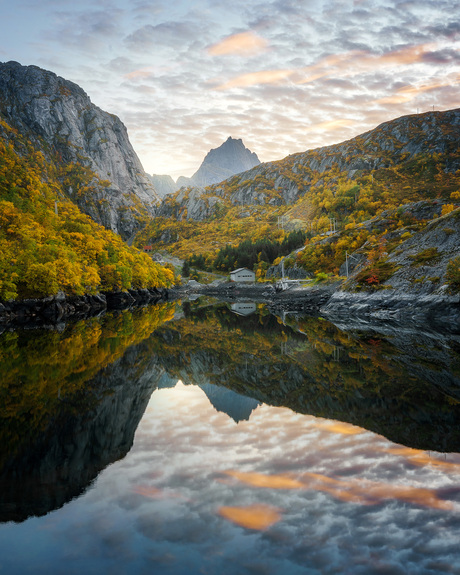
<point x="241" y="270"/>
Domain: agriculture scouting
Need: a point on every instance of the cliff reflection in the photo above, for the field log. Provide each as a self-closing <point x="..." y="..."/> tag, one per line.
<point x="70" y="403"/>
<point x="401" y="384"/>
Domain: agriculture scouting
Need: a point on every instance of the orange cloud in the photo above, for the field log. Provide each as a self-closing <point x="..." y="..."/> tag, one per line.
<point x="256" y="78"/>
<point x="141" y="73"/>
<point x="408" y="93"/>
<point x="256" y="516"/>
<point x="404" y="56"/>
<point x="360" y="491"/>
<point x="338" y="65"/>
<point x="243" y="44"/>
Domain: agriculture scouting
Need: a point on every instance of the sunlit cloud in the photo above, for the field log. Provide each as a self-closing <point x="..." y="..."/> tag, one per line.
<point x="242" y="44"/>
<point x="258" y="516"/>
<point x="329" y="126"/>
<point x="361" y="491"/>
<point x="337" y="65"/>
<point x="409" y="93"/>
<point x="256" y="78"/>
<point x="139" y="74"/>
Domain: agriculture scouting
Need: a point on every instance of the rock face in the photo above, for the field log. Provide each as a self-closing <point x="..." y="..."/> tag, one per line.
<point x="58" y="118"/>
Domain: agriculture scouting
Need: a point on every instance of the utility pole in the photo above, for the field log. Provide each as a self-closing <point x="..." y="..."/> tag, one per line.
<point x="346" y="261"/>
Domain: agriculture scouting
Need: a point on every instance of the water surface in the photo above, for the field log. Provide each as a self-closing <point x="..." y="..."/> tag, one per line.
<point x="199" y="440"/>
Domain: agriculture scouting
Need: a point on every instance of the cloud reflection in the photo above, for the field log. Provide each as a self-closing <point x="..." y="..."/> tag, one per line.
<point x="361" y="491"/>
<point x="257" y="516"/>
<point x="422" y="458"/>
<point x="371" y="492"/>
<point x="271" y="481"/>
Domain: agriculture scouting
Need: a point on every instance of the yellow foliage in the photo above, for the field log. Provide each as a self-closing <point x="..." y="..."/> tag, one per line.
<point x="43" y="252"/>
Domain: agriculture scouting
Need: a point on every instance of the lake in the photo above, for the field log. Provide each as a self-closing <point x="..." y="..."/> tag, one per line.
<point x="220" y="438"/>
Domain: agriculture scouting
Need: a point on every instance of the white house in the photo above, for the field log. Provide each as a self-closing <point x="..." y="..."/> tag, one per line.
<point x="242" y="275"/>
<point x="243" y="308"/>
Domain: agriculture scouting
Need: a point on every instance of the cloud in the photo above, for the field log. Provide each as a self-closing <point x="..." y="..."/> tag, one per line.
<point x="409" y="93"/>
<point x="329" y="126"/>
<point x="172" y="34"/>
<point x="87" y="31"/>
<point x="242" y="44"/>
<point x="256" y="79"/>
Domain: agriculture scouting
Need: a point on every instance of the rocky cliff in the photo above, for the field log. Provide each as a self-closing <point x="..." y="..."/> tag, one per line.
<point x="57" y="117"/>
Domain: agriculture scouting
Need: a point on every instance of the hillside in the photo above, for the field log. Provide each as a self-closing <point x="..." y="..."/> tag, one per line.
<point x="47" y="244"/>
<point x="98" y="168"/>
<point x="409" y="159"/>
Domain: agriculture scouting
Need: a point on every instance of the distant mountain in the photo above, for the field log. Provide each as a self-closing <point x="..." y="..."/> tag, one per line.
<point x="427" y="141"/>
<point x="163" y="185"/>
<point x="58" y="119"/>
<point x="230" y="158"/>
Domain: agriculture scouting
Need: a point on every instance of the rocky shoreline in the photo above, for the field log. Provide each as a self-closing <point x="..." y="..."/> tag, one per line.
<point x="438" y="311"/>
<point x="61" y="307"/>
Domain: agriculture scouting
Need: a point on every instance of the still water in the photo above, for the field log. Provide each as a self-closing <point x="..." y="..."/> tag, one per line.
<point x="205" y="439"/>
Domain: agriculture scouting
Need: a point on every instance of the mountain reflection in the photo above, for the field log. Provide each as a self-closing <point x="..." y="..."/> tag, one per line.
<point x="71" y="400"/>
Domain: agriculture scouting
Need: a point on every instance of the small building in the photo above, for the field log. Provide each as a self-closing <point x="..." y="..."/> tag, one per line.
<point x="242" y="275"/>
<point x="243" y="308"/>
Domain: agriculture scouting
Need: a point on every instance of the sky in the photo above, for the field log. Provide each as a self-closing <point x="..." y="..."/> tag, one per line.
<point x="285" y="76"/>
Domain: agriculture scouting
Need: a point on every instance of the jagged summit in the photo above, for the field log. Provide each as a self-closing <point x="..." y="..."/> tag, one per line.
<point x="230" y="158"/>
<point x="57" y="117"/>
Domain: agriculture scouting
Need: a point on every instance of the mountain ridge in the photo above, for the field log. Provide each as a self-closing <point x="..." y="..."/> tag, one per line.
<point x="408" y="159"/>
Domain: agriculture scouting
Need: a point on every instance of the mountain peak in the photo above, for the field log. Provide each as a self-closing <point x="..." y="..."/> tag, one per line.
<point x="230" y="158"/>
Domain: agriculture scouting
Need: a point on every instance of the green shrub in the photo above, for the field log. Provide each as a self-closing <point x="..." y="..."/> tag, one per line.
<point x="453" y="273"/>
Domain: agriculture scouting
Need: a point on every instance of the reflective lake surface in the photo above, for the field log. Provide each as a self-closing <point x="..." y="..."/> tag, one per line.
<point x="205" y="439"/>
